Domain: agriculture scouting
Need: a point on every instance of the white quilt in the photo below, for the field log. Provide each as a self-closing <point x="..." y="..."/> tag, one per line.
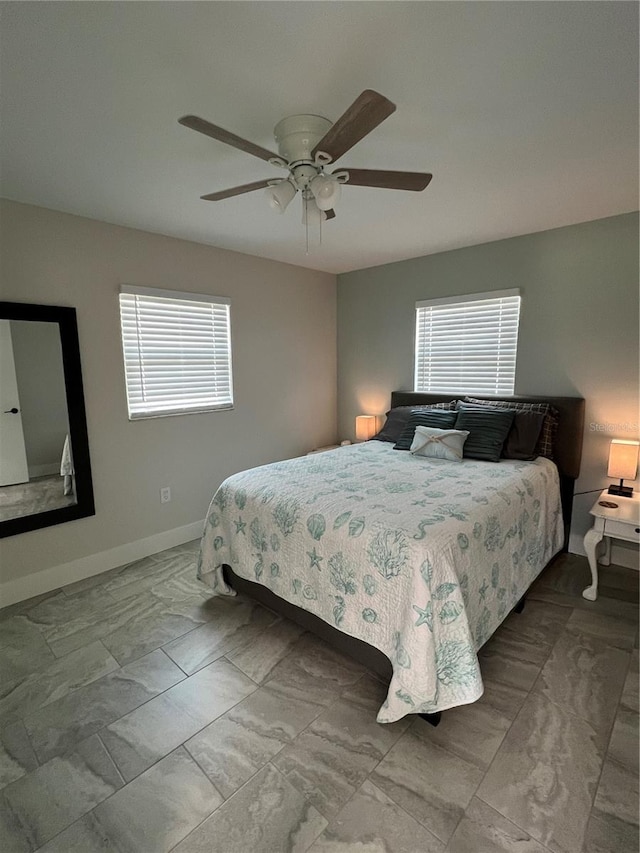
<point x="421" y="558"/>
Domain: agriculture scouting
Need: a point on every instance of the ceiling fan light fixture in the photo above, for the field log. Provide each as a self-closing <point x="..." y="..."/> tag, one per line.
<point x="326" y="191"/>
<point x="280" y="195"/>
<point x="307" y="144"/>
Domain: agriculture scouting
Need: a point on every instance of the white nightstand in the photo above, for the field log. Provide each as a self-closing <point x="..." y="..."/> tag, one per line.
<point x="618" y="522"/>
<point x="322" y="449"/>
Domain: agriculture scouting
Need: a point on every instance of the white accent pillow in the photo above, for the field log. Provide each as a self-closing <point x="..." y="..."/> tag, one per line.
<point x="439" y="443"/>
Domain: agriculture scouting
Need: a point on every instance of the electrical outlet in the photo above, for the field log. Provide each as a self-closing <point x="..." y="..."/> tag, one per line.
<point x="165" y="495"/>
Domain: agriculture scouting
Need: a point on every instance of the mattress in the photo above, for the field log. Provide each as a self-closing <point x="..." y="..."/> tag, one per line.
<point x="421" y="558"/>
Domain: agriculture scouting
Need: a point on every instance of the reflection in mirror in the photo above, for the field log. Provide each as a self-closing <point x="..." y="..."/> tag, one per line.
<point x="42" y="421"/>
<point x="36" y="468"/>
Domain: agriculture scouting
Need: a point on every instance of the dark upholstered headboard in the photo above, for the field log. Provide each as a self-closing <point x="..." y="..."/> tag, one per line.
<point x="568" y="446"/>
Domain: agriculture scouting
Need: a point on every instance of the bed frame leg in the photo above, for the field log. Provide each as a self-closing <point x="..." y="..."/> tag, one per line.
<point x="520" y="605"/>
<point x="432" y="719"/>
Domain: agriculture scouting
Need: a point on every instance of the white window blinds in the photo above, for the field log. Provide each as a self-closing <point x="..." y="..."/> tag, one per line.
<point x="177" y="352"/>
<point x="467" y="344"/>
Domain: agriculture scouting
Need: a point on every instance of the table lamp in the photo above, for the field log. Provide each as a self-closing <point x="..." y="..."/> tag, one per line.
<point x="365" y="427"/>
<point x="623" y="465"/>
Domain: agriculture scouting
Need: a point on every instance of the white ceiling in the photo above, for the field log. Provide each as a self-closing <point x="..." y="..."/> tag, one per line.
<point x="526" y="113"/>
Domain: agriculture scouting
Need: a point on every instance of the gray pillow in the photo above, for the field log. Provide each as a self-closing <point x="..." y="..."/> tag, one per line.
<point x="547" y="438"/>
<point x="523" y="436"/>
<point x="397" y="419"/>
<point x="438" y="418"/>
<point x="488" y="429"/>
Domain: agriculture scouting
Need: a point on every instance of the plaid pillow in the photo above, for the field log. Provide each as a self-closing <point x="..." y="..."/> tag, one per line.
<point x="545" y="444"/>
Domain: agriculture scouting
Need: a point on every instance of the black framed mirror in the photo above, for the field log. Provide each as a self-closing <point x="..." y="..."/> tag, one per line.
<point x="45" y="469"/>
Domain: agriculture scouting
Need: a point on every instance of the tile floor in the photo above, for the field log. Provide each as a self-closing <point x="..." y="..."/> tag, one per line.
<point x="139" y="715"/>
<point x="38" y="495"/>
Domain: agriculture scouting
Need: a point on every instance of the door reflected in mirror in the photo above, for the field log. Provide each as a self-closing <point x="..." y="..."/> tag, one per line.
<point x="42" y="422"/>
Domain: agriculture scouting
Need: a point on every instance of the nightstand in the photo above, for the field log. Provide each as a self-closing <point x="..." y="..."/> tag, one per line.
<point x="322" y="449"/>
<point x="617" y="522"/>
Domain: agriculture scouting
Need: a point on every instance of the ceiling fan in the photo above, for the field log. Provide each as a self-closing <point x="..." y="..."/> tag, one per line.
<point x="307" y="144"/>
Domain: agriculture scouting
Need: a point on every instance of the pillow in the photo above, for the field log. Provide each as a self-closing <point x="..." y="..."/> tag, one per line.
<point x="397" y="419"/>
<point x="547" y="437"/>
<point x="523" y="436"/>
<point x="488" y="430"/>
<point x="439" y="443"/>
<point x="424" y="417"/>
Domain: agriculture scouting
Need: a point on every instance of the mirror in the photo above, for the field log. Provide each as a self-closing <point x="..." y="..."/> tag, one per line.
<point x="45" y="471"/>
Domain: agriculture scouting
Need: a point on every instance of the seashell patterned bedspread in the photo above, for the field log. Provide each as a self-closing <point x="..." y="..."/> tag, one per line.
<point x="421" y="558"/>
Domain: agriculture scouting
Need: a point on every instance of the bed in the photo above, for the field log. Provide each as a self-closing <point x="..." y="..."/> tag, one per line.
<point x="409" y="564"/>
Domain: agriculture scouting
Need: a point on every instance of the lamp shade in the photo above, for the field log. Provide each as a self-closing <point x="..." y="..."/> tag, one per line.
<point x="623" y="459"/>
<point x="280" y="195"/>
<point x="326" y="191"/>
<point x="365" y="427"/>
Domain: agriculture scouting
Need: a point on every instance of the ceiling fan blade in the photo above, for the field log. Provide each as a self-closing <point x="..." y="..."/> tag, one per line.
<point x="226" y="136"/>
<point x="415" y="181"/>
<point x="367" y="111"/>
<point x="245" y="188"/>
<point x="331" y="214"/>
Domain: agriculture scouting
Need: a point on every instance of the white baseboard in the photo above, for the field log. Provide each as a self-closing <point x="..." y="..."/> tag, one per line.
<point x="627" y="557"/>
<point x="43" y="470"/>
<point x="94" y="564"/>
<point x="620" y="556"/>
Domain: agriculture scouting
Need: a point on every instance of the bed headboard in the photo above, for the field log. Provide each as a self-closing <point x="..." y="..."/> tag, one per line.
<point x="568" y="446"/>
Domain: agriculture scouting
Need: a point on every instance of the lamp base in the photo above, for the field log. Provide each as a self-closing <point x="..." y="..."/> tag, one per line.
<point x="621" y="491"/>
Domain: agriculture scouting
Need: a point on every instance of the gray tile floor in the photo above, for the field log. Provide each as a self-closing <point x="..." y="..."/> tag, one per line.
<point x="38" y="495"/>
<point x="139" y="715"/>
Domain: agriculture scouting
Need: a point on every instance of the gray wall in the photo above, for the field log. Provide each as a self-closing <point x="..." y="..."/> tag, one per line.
<point x="283" y="321"/>
<point x="578" y="327"/>
<point x="43" y="401"/>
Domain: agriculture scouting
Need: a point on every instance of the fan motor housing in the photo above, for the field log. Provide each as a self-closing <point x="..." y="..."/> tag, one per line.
<point x="297" y="136"/>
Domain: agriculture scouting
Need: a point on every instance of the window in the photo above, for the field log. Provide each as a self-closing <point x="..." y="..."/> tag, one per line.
<point x="177" y="352"/>
<point x="467" y="343"/>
